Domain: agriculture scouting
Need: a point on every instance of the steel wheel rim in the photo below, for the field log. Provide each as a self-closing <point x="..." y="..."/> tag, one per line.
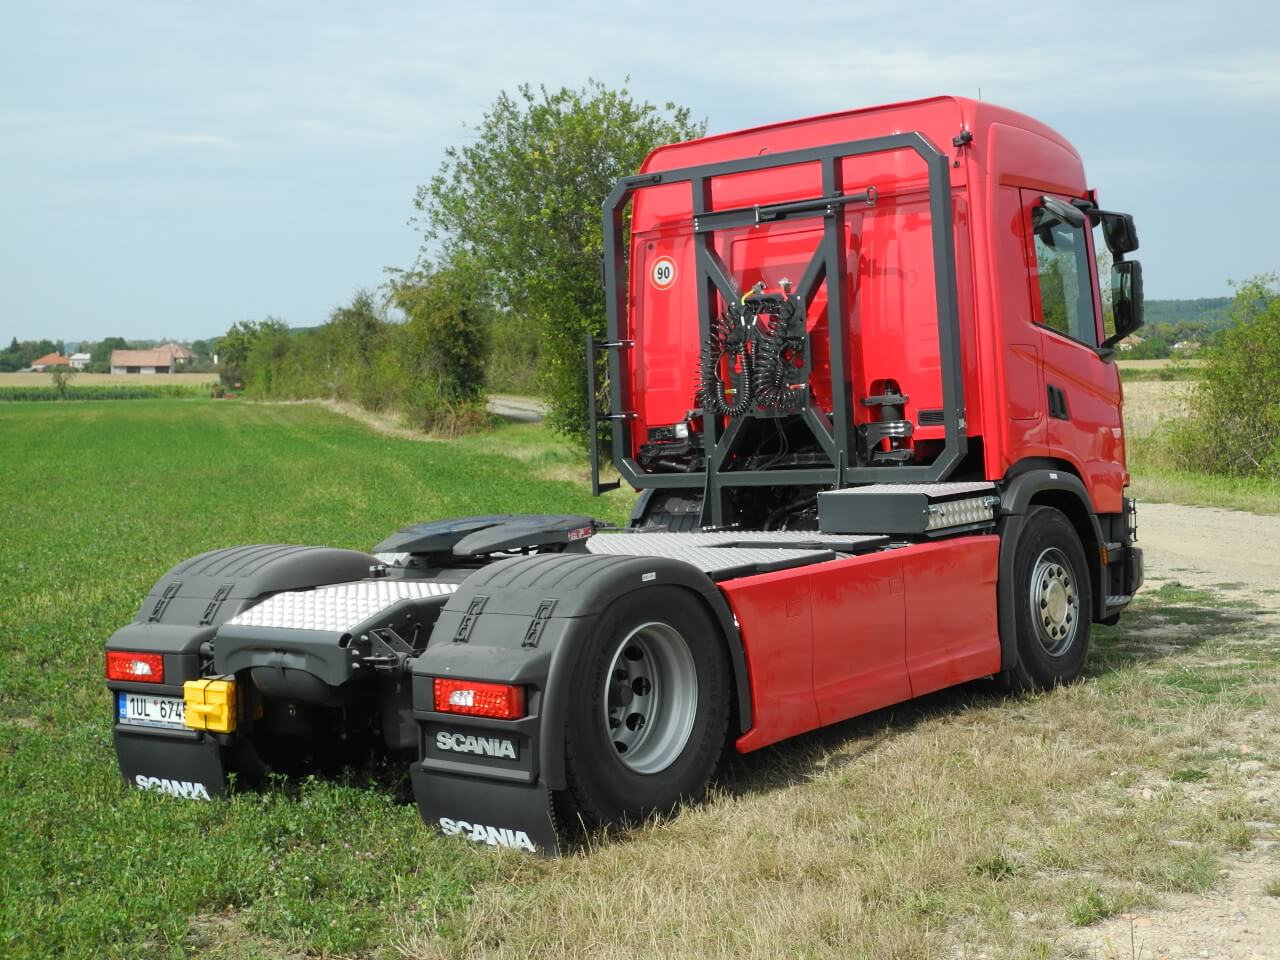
<point x="650" y="697"/>
<point x="1055" y="602"/>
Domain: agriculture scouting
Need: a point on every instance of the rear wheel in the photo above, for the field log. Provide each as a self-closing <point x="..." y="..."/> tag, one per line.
<point x="1054" y="601"/>
<point x="648" y="725"/>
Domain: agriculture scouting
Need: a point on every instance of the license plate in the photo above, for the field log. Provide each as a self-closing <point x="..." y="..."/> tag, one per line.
<point x="144" y="711"/>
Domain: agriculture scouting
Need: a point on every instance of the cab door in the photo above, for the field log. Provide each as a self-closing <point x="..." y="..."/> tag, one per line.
<point x="1081" y="381"/>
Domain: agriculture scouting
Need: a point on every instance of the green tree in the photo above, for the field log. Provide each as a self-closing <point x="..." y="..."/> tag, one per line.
<point x="233" y="351"/>
<point x="100" y="355"/>
<point x="11" y="357"/>
<point x="443" y="346"/>
<point x="522" y="203"/>
<point x="1236" y="422"/>
<point x="1153" y="347"/>
<point x="358" y="349"/>
<point x="61" y="378"/>
<point x="266" y="364"/>
<point x="200" y="348"/>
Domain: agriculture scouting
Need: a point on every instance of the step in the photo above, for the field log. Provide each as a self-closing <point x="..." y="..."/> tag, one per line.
<point x="909" y="509"/>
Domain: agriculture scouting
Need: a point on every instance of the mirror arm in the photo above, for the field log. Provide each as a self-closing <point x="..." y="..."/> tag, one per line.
<point x="1065" y="212"/>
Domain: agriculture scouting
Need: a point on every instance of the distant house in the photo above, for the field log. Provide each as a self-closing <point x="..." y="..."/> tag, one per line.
<point x="1188" y="346"/>
<point x="169" y="358"/>
<point x="41" y="364"/>
<point x="1131" y="341"/>
<point x="80" y="360"/>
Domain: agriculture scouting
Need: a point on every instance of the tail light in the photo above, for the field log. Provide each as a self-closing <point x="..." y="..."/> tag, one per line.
<point x="501" y="701"/>
<point x="137" y="667"/>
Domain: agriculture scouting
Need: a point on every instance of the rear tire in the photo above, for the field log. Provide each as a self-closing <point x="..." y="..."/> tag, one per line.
<point x="647" y="724"/>
<point x="1053" y="600"/>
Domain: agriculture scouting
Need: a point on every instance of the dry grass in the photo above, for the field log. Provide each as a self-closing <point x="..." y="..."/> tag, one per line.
<point x="95" y="379"/>
<point x="1149" y="403"/>
<point x="962" y="824"/>
<point x="1149" y="406"/>
<point x="1160" y="364"/>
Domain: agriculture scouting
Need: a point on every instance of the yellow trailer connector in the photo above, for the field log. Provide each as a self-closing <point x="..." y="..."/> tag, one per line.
<point x="211" y="704"/>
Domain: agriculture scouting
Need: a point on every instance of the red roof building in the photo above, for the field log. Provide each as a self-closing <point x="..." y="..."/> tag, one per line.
<point x="50" y="360"/>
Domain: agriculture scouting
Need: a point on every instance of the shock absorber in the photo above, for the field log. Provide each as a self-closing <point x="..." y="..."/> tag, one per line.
<point x="884" y="440"/>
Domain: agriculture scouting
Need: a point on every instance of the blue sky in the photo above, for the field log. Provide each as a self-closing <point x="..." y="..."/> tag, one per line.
<point x="169" y="168"/>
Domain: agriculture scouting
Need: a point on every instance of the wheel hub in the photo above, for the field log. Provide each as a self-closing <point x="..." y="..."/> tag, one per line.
<point x="1055" y="602"/>
<point x="650" y="697"/>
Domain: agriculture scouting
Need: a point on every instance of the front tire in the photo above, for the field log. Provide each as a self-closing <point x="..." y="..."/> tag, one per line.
<point x="1054" y="602"/>
<point x="648" y="721"/>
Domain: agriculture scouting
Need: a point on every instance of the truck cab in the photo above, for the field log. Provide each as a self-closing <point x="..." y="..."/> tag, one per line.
<point x="968" y="286"/>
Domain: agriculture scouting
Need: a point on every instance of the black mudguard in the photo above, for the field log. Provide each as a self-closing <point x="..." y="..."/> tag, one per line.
<point x="523" y="621"/>
<point x="183" y="611"/>
<point x="182" y="765"/>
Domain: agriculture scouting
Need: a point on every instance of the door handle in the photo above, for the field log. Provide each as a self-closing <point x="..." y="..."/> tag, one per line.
<point x="1058" y="404"/>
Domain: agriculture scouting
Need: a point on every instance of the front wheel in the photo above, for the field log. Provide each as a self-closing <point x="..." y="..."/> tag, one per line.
<point x="1054" y="601"/>
<point x="648" y="720"/>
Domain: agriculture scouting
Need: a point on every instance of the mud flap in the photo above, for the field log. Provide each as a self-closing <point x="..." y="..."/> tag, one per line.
<point x="186" y="767"/>
<point x="517" y="815"/>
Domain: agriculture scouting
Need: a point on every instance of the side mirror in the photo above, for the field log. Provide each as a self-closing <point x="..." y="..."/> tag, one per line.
<point x="1119" y="232"/>
<point x="1126" y="300"/>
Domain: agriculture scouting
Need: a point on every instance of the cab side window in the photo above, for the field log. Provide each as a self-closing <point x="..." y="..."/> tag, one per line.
<point x="1064" y="281"/>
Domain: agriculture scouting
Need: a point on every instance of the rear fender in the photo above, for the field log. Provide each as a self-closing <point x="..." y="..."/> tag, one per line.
<point x="188" y="604"/>
<point x="183" y="611"/>
<point x="523" y="620"/>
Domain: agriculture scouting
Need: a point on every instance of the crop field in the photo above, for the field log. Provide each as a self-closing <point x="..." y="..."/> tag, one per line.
<point x="963" y="824"/>
<point x="107" y="379"/>
<point x="20" y="387"/>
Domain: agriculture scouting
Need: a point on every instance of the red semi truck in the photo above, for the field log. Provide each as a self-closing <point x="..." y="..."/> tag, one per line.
<point x="860" y="368"/>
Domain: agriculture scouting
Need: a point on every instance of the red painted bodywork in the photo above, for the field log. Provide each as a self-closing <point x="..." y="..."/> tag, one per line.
<point x="835" y="640"/>
<point x="892" y="323"/>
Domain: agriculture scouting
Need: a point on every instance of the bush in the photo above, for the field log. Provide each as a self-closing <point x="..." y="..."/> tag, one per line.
<point x="444" y="347"/>
<point x="1234" y="428"/>
<point x="431" y="367"/>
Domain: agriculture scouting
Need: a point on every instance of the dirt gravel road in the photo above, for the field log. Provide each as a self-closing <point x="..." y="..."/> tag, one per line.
<point x="1239" y="554"/>
<point x="1203" y="546"/>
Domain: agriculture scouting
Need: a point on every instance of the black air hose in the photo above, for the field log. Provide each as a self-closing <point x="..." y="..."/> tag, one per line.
<point x="755" y="337"/>
<point x="728" y="342"/>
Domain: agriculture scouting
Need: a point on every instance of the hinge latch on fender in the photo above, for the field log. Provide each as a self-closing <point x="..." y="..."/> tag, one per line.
<point x="538" y="623"/>
<point x="171" y="591"/>
<point x="468" y="621"/>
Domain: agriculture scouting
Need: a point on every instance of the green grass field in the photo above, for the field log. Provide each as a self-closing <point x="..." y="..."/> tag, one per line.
<point x="99" y="499"/>
<point x="961" y="824"/>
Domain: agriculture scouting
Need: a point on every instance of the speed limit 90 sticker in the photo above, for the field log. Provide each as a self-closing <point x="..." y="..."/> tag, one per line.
<point x="663" y="273"/>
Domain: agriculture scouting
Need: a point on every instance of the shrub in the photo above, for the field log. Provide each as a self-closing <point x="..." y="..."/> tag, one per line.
<point x="444" y="346"/>
<point x="1234" y="428"/>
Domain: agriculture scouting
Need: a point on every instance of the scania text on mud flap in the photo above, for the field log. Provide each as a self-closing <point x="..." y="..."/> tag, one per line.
<point x="859" y="368"/>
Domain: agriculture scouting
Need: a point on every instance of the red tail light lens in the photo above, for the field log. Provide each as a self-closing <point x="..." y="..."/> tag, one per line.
<point x="137" y="667"/>
<point x="501" y="701"/>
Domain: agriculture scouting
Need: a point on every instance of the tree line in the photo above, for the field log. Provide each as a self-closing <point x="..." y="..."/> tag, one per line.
<point x="20" y="354"/>
<point x="506" y="284"/>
